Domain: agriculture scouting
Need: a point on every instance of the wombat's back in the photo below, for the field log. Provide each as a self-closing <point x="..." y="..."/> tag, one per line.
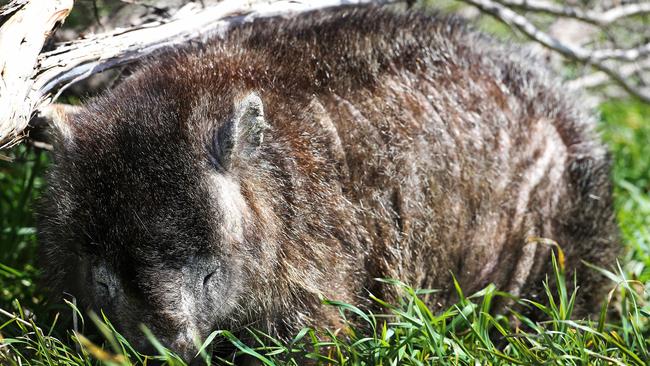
<point x="456" y="151"/>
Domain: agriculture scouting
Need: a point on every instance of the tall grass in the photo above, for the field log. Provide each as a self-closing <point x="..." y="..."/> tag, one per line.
<point x="405" y="333"/>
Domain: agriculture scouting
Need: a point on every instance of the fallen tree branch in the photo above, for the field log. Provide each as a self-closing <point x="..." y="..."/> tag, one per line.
<point x="30" y="79"/>
<point x="29" y="83"/>
<point x="24" y="27"/>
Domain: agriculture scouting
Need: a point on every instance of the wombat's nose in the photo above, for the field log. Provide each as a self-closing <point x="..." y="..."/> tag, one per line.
<point x="145" y="348"/>
<point x="186" y="350"/>
<point x="197" y="362"/>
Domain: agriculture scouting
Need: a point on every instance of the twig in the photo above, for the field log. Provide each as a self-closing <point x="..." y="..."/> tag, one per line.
<point x="594" y="17"/>
<point x="599" y="78"/>
<point x="18" y="319"/>
<point x="577" y="53"/>
<point x="631" y="54"/>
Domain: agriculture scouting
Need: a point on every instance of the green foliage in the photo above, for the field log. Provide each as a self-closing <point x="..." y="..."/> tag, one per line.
<point x="626" y="127"/>
<point x="21" y="180"/>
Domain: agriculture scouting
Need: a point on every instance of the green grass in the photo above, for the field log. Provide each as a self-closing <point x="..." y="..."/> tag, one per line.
<point x="21" y="180"/>
<point x="626" y="128"/>
<point x="406" y="332"/>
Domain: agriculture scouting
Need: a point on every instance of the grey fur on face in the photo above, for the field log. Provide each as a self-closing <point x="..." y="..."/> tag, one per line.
<point x="234" y="183"/>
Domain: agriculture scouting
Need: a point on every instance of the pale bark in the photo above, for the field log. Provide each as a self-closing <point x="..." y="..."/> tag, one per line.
<point x="24" y="27"/>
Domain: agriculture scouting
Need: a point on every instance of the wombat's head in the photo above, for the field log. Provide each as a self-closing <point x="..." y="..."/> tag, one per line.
<point x="147" y="217"/>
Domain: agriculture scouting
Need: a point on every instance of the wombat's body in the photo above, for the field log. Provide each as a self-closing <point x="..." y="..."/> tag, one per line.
<point x="233" y="183"/>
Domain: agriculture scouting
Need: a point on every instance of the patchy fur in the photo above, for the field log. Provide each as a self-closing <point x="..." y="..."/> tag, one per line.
<point x="388" y="145"/>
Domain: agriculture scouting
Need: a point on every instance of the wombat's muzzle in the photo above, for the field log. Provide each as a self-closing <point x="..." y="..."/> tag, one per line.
<point x="185" y="350"/>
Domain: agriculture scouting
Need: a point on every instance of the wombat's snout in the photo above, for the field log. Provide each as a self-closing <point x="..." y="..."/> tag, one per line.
<point x="180" y="311"/>
<point x="182" y="346"/>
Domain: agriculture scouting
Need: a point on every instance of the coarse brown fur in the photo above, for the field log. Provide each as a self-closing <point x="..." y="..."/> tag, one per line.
<point x="393" y="145"/>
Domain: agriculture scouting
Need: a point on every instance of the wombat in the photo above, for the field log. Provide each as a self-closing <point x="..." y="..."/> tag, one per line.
<point x="236" y="182"/>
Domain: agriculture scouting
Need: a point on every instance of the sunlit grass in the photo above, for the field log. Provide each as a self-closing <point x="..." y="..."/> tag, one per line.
<point x="405" y="333"/>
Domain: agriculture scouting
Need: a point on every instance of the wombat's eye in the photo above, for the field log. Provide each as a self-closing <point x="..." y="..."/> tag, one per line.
<point x="103" y="289"/>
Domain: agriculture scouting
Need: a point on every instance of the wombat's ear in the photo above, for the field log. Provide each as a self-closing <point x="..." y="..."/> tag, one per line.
<point x="244" y="133"/>
<point x="60" y="118"/>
